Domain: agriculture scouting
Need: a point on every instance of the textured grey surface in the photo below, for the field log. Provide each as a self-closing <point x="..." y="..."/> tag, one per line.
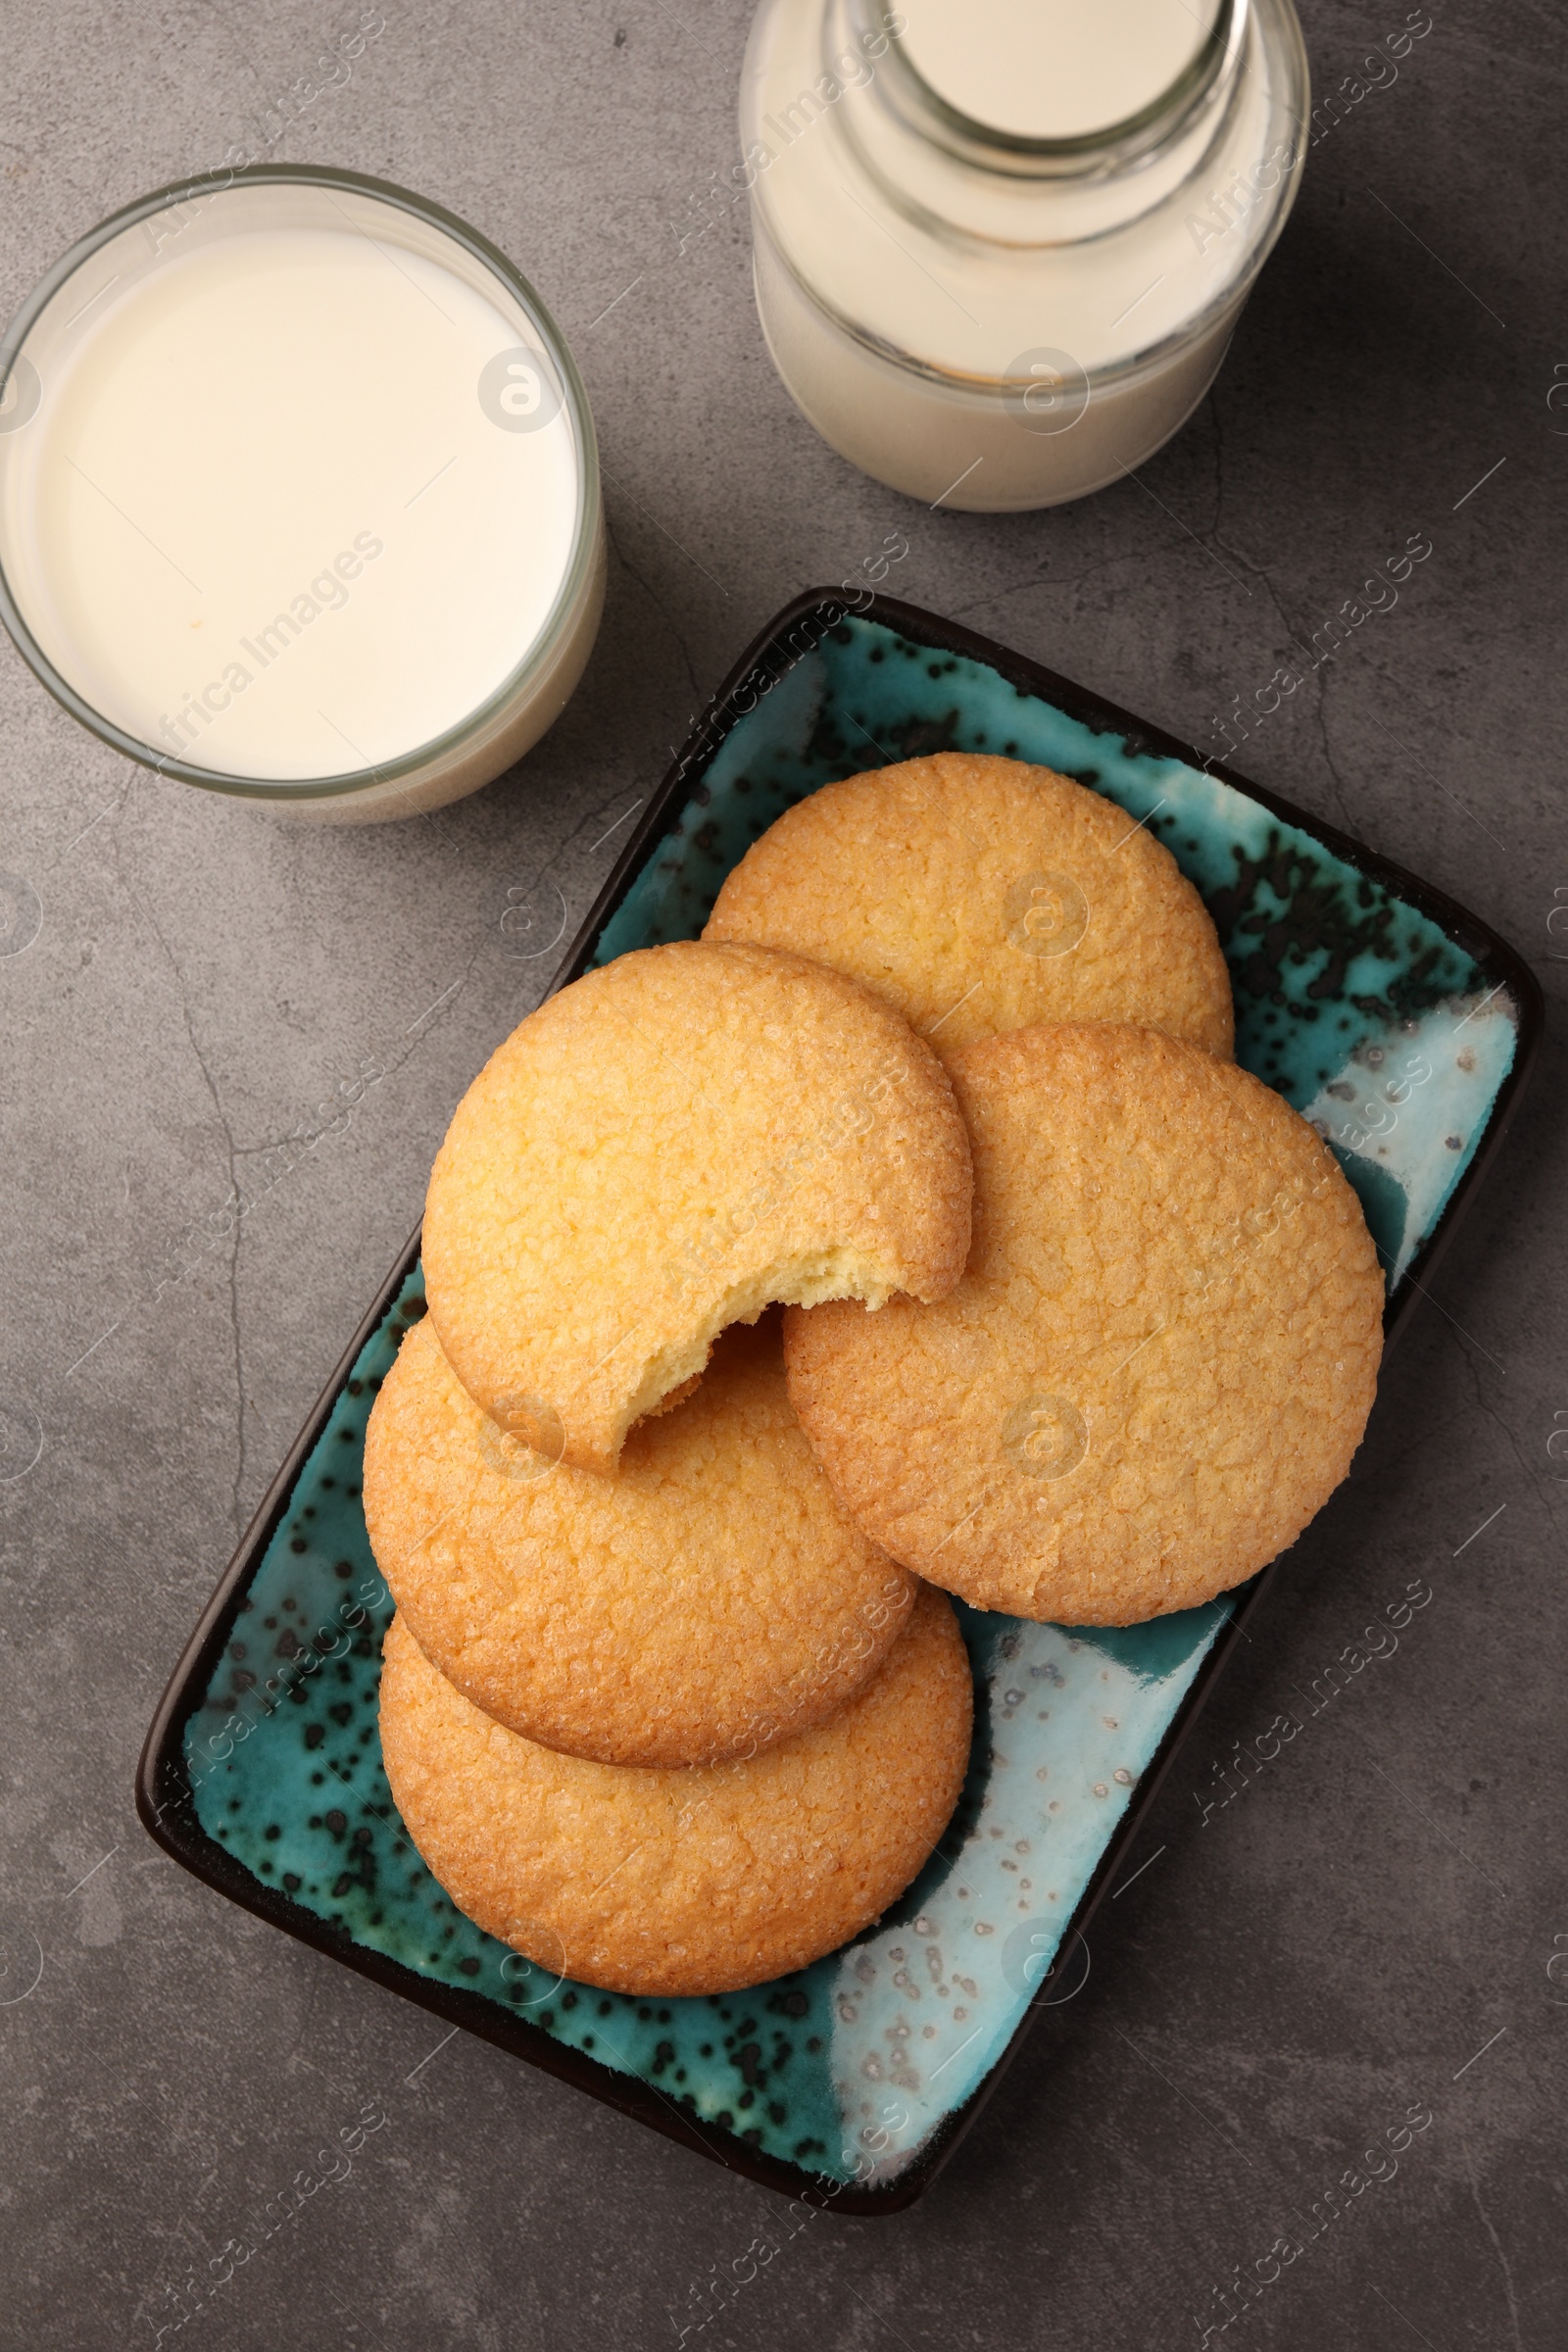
<point x="1287" y="1977"/>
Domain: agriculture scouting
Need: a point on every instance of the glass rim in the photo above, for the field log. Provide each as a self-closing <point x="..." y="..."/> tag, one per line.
<point x="585" y="526"/>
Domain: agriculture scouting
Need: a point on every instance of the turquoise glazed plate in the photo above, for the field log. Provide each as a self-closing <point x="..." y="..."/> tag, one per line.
<point x="1395" y="1021"/>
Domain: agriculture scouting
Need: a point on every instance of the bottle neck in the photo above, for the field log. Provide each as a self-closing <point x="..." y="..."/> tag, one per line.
<point x="1052" y="89"/>
<point x="956" y="174"/>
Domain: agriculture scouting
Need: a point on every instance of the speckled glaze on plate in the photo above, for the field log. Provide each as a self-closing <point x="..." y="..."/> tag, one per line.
<point x="1397" y="1022"/>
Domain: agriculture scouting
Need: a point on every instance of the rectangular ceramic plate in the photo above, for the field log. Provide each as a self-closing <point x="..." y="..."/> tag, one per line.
<point x="1396" y="1021"/>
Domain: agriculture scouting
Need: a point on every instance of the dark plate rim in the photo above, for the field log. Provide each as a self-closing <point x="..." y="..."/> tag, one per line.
<point x="165" y="1798"/>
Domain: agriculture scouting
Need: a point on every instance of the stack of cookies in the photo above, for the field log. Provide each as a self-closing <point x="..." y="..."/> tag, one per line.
<point x="1080" y="1321"/>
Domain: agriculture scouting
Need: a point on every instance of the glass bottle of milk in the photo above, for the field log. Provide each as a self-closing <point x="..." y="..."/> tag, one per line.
<point x="1002" y="245"/>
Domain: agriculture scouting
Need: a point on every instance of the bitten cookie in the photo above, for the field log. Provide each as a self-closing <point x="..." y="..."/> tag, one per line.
<point x="981" y="895"/>
<point x="660" y="1151"/>
<point x="713" y="1598"/>
<point x="1159" y="1363"/>
<point x="691" y="1881"/>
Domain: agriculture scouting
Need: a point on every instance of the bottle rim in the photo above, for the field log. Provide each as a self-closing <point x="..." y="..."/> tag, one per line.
<point x="1114" y="148"/>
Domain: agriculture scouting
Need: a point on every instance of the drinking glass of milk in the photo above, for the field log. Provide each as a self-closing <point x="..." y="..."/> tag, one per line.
<point x="1002" y="245"/>
<point x="299" y="495"/>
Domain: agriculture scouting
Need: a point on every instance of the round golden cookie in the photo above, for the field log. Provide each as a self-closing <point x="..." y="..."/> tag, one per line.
<point x="660" y="1151"/>
<point x="701" y="1880"/>
<point x="1159" y="1363"/>
<point x="980" y="895"/>
<point x="710" y="1599"/>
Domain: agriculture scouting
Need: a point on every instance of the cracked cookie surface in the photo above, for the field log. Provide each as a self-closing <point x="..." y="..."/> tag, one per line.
<point x="1159" y="1361"/>
<point x="660" y="1151"/>
<point x="686" y="1882"/>
<point x="710" y="1599"/>
<point x="980" y="895"/>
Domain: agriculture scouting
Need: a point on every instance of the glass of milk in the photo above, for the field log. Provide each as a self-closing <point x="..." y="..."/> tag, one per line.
<point x="1001" y="245"/>
<point x="299" y="495"/>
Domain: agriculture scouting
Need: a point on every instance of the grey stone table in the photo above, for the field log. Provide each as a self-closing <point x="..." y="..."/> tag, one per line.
<point x="1373" y="1922"/>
